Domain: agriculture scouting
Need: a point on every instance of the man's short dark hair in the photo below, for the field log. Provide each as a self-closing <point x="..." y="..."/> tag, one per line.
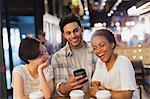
<point x="68" y="19"/>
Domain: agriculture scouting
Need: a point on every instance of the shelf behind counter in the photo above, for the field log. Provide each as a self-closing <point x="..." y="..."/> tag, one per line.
<point x="139" y="52"/>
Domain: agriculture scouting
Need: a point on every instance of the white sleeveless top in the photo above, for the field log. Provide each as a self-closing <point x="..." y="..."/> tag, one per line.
<point x="31" y="84"/>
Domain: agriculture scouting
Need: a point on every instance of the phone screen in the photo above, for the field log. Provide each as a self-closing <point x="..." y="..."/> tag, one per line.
<point x="80" y="72"/>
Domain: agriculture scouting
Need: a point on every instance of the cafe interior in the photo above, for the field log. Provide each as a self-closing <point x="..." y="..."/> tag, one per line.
<point x="128" y="19"/>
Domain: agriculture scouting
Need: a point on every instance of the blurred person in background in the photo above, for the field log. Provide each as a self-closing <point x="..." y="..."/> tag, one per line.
<point x="50" y="48"/>
<point x="119" y="41"/>
<point x="146" y="39"/>
<point x="113" y="72"/>
<point x="36" y="74"/>
<point x="134" y="41"/>
<point x="76" y="54"/>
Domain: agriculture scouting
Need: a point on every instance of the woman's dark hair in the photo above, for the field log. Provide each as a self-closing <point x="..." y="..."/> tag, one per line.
<point x="29" y="49"/>
<point x="68" y="19"/>
<point x="106" y="33"/>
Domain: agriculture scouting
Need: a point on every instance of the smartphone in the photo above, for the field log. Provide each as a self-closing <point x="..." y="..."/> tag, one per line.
<point x="80" y="72"/>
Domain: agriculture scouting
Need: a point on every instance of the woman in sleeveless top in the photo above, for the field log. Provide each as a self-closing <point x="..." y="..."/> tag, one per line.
<point x="36" y="74"/>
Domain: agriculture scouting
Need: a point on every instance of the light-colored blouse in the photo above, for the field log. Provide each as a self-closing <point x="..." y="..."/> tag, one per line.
<point x="31" y="84"/>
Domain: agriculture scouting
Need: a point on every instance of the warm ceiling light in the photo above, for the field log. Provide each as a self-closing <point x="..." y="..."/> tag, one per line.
<point x="114" y="8"/>
<point x="144" y="8"/>
<point x="109" y="14"/>
<point x="75" y="2"/>
<point x="103" y="3"/>
<point x="133" y="11"/>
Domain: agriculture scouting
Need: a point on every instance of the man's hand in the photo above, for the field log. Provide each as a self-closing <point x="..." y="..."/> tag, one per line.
<point x="76" y="82"/>
<point x="72" y="84"/>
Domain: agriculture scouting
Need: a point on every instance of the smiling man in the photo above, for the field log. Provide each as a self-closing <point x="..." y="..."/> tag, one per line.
<point x="76" y="54"/>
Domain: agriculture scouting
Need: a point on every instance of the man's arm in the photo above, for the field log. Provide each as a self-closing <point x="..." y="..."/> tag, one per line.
<point x="71" y="84"/>
<point x="64" y="85"/>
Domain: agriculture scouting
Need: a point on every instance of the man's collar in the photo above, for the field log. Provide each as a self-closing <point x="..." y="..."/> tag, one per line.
<point x="69" y="51"/>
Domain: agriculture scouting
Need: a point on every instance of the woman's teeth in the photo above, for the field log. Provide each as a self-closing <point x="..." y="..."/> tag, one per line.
<point x="101" y="54"/>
